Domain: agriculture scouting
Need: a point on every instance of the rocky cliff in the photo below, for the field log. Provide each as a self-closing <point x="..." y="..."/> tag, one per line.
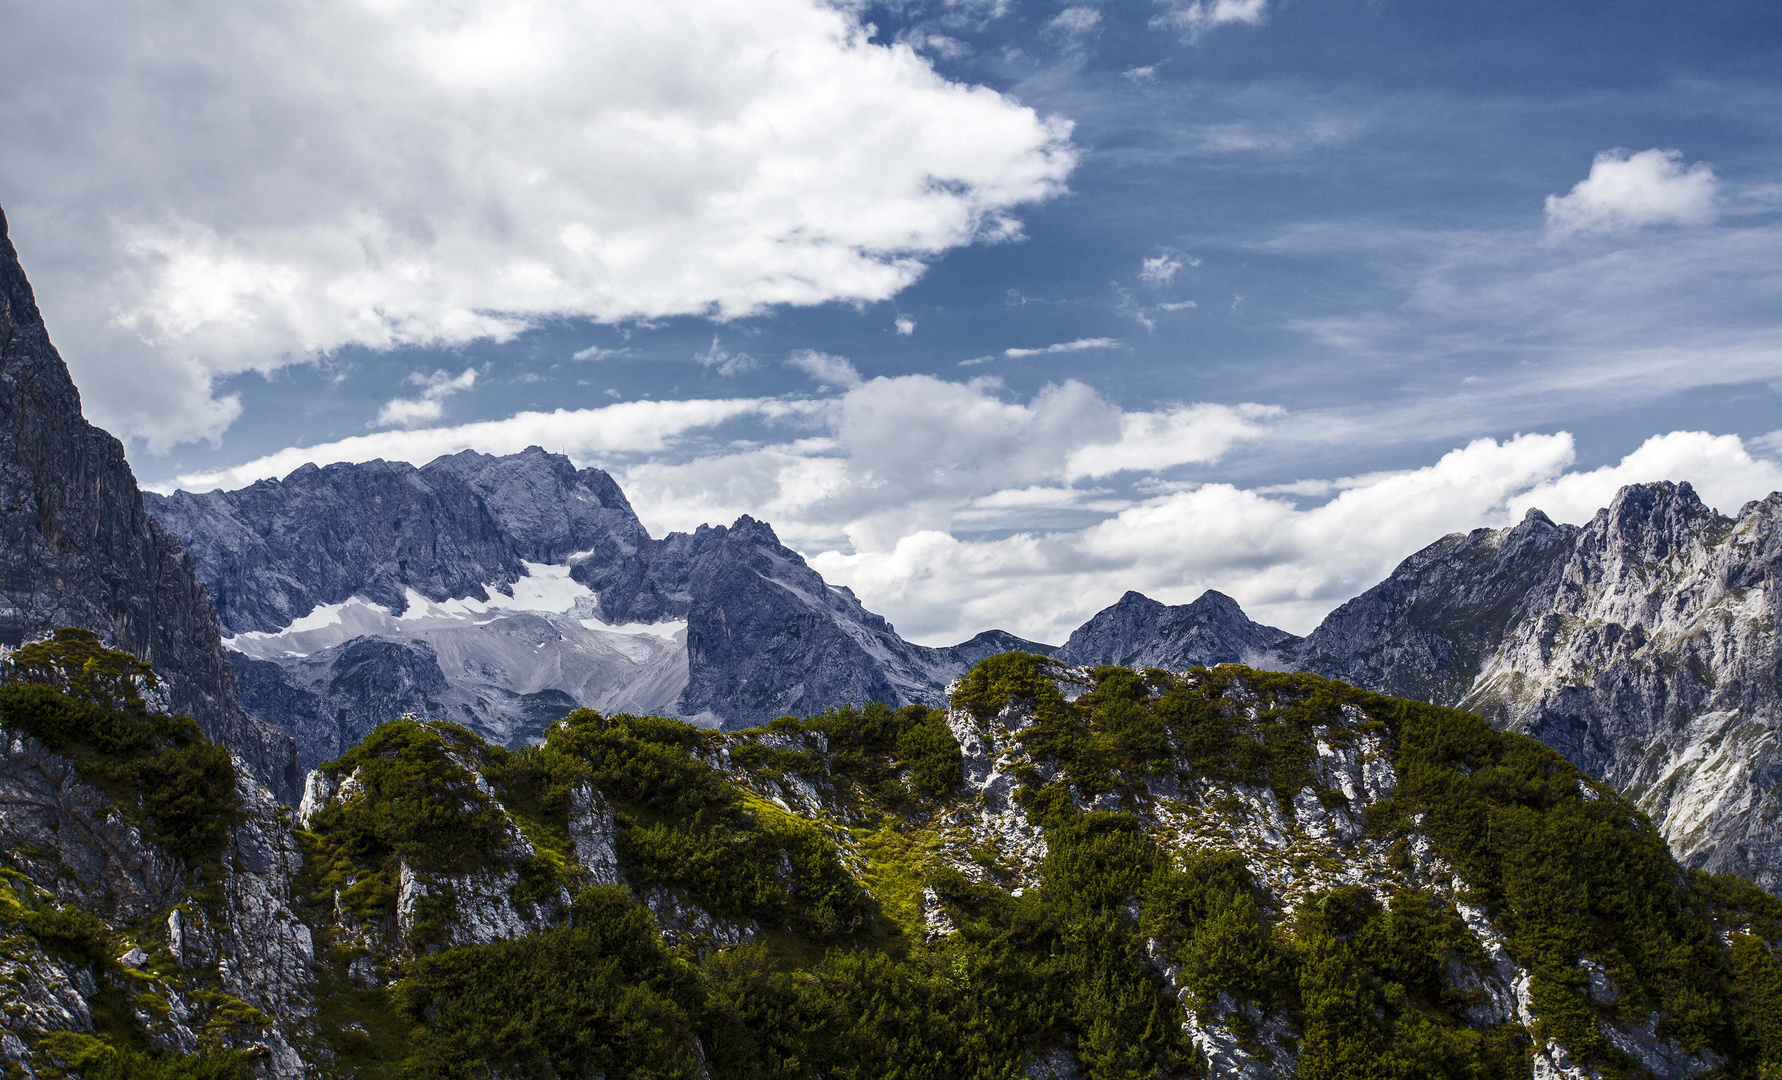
<point x="80" y="548"/>
<point x="1642" y="646"/>
<point x="147" y="889"/>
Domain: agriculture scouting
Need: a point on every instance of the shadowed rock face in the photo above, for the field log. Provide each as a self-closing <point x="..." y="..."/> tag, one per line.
<point x="1139" y="632"/>
<point x="81" y="550"/>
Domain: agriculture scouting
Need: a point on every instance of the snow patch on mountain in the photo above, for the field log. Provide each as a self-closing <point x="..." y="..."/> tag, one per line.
<point x="544" y="590"/>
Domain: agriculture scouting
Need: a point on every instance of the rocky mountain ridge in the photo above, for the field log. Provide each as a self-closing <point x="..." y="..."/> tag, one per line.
<point x="1663" y="682"/>
<point x="1139" y="632"/>
<point x="506" y="591"/>
<point x="81" y="549"/>
<point x="1642" y="645"/>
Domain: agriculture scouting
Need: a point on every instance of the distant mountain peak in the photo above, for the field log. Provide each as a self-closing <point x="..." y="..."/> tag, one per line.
<point x="1137" y="631"/>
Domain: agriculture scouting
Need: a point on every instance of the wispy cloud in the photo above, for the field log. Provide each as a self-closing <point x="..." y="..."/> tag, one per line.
<point x="825" y="368"/>
<point x="1194" y="19"/>
<point x="1075" y="22"/>
<point x="1079" y="345"/>
<point x="1159" y="270"/>
<point x="723" y="361"/>
<point x="595" y="352"/>
<point x="429" y="405"/>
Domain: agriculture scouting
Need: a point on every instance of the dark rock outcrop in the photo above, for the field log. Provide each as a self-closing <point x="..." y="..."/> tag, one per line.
<point x="1139" y="632"/>
<point x="80" y="549"/>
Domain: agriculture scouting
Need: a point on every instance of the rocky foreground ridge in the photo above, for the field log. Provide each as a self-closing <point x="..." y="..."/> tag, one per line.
<point x="1065" y="873"/>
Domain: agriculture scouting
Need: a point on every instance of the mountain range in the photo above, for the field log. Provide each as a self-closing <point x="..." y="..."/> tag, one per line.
<point x="1169" y="845"/>
<point x="505" y="592"/>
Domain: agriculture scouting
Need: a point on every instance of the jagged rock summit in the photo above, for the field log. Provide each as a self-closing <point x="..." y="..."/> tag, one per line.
<point x="506" y="591"/>
<point x="80" y="549"/>
<point x="1641" y="645"/>
<point x="1140" y="632"/>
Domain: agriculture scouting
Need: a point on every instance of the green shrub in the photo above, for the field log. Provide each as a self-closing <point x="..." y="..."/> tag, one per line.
<point x="1365" y="988"/>
<point x="600" y="997"/>
<point x="418" y="802"/>
<point x="685" y="826"/>
<point x="84" y="701"/>
<point x="92" y="1057"/>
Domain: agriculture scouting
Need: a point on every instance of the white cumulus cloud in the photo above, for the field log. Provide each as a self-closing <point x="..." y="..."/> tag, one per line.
<point x="429" y="405"/>
<point x="1719" y="467"/>
<point x="951" y="507"/>
<point x="1627" y="191"/>
<point x="203" y="188"/>
<point x="1154" y="441"/>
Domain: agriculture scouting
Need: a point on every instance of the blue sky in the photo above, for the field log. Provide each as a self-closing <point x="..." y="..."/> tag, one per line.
<point x="1014" y="306"/>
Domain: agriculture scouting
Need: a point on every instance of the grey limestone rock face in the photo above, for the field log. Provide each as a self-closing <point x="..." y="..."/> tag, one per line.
<point x="241" y="933"/>
<point x="1139" y="632"/>
<point x="70" y="840"/>
<point x="273" y="552"/>
<point x="78" y="546"/>
<point x="276" y="550"/>
<point x="1642" y="646"/>
<point x="1426" y="630"/>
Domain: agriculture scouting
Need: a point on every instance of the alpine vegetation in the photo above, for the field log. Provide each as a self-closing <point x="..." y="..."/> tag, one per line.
<point x="1101" y="872"/>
